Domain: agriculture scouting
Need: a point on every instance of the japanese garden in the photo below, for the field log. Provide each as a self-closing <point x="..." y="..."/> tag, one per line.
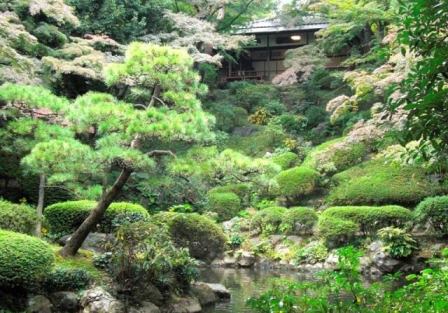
<point x="227" y="156"/>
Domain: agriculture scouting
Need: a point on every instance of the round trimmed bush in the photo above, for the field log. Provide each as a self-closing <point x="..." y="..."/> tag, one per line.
<point x="204" y="238"/>
<point x="433" y="211"/>
<point x="67" y="278"/>
<point x="298" y="220"/>
<point x="17" y="217"/>
<point x="370" y="219"/>
<point x="225" y="204"/>
<point x="24" y="260"/>
<point x="65" y="217"/>
<point x="336" y="231"/>
<point x="286" y="160"/>
<point x="298" y="181"/>
<point x="268" y="221"/>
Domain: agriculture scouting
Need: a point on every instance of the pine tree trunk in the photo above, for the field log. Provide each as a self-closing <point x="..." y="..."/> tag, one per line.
<point x="74" y="243"/>
<point x="40" y="204"/>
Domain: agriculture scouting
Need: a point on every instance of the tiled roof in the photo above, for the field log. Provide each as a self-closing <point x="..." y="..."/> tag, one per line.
<point x="273" y="25"/>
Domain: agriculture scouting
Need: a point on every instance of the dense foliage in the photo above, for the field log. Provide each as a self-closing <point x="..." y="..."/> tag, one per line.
<point x="17" y="217"/>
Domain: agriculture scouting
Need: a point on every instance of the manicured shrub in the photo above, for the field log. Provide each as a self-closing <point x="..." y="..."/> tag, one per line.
<point x="64" y="279"/>
<point x="377" y="182"/>
<point x="225" y="204"/>
<point x="268" y="221"/>
<point x="370" y="219"/>
<point x="17" y="217"/>
<point x="242" y="190"/>
<point x="397" y="242"/>
<point x="433" y="212"/>
<point x="204" y="238"/>
<point x="298" y="220"/>
<point x="24" y="260"/>
<point x="336" y="231"/>
<point x="66" y="217"/>
<point x="49" y="35"/>
<point x="298" y="181"/>
<point x="314" y="252"/>
<point x="286" y="160"/>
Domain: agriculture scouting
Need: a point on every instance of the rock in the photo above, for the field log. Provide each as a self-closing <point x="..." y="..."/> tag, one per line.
<point x="246" y="259"/>
<point x="94" y="242"/>
<point x="219" y="262"/>
<point x="65" y="301"/>
<point x="244" y="131"/>
<point x="281" y="249"/>
<point x="39" y="304"/>
<point x="98" y="300"/>
<point x="275" y="239"/>
<point x="297" y="240"/>
<point x="229" y="260"/>
<point x="229" y="225"/>
<point x="146" y="307"/>
<point x="204" y="293"/>
<point x="331" y="262"/>
<point x="220" y="290"/>
<point x="152" y="294"/>
<point x="183" y="305"/>
<point x="382" y="260"/>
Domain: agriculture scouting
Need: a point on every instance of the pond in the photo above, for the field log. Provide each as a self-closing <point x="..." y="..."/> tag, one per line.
<point x="242" y="284"/>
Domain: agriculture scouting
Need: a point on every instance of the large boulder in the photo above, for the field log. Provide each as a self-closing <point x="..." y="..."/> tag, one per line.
<point x="98" y="300"/>
<point x="246" y="259"/>
<point x="220" y="290"/>
<point x="183" y="305"/>
<point x="39" y="304"/>
<point x="204" y="293"/>
<point x="146" y="307"/>
<point x="381" y="259"/>
<point x="65" y="301"/>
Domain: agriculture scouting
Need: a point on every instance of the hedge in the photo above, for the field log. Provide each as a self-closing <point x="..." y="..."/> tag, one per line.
<point x="376" y="182"/>
<point x="204" y="238"/>
<point x="370" y="219"/>
<point x="433" y="211"/>
<point x="17" y="217"/>
<point x="298" y="220"/>
<point x="24" y="260"/>
<point x="225" y="204"/>
<point x="297" y="181"/>
<point x="268" y="221"/>
<point x="336" y="231"/>
<point x="66" y="217"/>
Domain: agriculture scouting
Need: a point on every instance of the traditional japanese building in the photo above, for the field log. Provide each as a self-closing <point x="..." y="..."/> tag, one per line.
<point x="264" y="59"/>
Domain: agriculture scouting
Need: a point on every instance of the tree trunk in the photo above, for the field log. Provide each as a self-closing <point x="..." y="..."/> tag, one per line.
<point x="74" y="243"/>
<point x="40" y="204"/>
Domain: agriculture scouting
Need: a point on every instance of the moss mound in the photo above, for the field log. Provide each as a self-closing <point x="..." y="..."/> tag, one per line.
<point x="17" y="217"/>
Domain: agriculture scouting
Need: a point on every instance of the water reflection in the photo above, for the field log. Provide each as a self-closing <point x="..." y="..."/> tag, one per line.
<point x="243" y="284"/>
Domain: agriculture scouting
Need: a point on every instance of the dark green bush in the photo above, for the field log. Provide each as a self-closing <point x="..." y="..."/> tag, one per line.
<point x="17" y="217"/>
<point x="66" y="217"/>
<point x="297" y="181"/>
<point x="67" y="279"/>
<point x="225" y="204"/>
<point x="377" y="182"/>
<point x="24" y="260"/>
<point x="250" y="95"/>
<point x="49" y="35"/>
<point x="370" y="219"/>
<point x="286" y="160"/>
<point x="202" y="236"/>
<point x="298" y="220"/>
<point x="433" y="211"/>
<point x="268" y="221"/>
<point x="336" y="231"/>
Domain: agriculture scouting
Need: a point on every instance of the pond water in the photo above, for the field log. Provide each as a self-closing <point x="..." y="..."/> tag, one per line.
<point x="242" y="284"/>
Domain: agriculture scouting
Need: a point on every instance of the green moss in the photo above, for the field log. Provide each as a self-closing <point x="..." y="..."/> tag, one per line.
<point x="24" y="260"/>
<point x="66" y="217"/>
<point x="311" y="158"/>
<point x="298" y="181"/>
<point x="286" y="160"/>
<point x="336" y="231"/>
<point x="17" y="217"/>
<point x="298" y="220"/>
<point x="268" y="221"/>
<point x="202" y="236"/>
<point x="225" y="204"/>
<point x="377" y="182"/>
<point x="371" y="218"/>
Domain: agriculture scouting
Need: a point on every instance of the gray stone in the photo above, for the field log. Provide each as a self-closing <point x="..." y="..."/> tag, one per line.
<point x="65" y="301"/>
<point x="220" y="290"/>
<point x="275" y="239"/>
<point x="332" y="261"/>
<point x="183" y="305"/>
<point x="382" y="260"/>
<point x="146" y="307"/>
<point x="151" y="294"/>
<point x="39" y="304"/>
<point x="246" y="259"/>
<point x="244" y="131"/>
<point x="95" y="242"/>
<point x="204" y="293"/>
<point x="281" y="249"/>
<point x="98" y="300"/>
<point x="295" y="239"/>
